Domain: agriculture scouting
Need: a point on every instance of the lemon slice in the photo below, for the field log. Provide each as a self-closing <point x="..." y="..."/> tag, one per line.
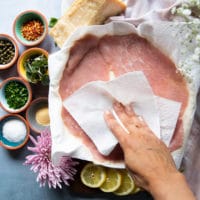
<point x="93" y="175"/>
<point x="127" y="184"/>
<point x="113" y="180"/>
<point x="136" y="190"/>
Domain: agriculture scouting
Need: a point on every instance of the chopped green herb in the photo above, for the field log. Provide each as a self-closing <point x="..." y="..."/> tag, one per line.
<point x="16" y="94"/>
<point x="37" y="69"/>
<point x="52" y="22"/>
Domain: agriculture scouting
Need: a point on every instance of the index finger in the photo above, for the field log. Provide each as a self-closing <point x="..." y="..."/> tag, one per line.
<point x="115" y="127"/>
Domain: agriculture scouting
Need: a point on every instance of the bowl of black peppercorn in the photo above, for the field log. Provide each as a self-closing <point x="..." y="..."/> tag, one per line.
<point x="8" y="51"/>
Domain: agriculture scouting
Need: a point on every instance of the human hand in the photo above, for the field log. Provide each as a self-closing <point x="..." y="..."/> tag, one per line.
<point x="147" y="157"/>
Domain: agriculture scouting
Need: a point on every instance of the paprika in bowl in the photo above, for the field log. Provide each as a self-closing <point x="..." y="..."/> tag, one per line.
<point x="30" y="28"/>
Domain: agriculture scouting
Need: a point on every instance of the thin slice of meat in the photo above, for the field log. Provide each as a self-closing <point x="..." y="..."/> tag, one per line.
<point x="77" y="52"/>
<point x="121" y="54"/>
<point x="91" y="67"/>
<point x="137" y="53"/>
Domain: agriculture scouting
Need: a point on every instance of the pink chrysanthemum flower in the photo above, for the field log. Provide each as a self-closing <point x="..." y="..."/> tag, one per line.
<point x="41" y="163"/>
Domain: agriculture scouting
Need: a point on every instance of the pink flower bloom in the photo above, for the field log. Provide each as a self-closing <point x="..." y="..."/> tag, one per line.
<point x="41" y="163"/>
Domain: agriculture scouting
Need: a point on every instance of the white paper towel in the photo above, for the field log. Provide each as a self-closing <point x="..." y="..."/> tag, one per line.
<point x="168" y="112"/>
<point x="88" y="104"/>
<point x="167" y="37"/>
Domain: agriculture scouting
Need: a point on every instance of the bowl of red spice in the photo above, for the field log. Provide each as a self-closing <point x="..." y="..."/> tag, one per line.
<point x="30" y="28"/>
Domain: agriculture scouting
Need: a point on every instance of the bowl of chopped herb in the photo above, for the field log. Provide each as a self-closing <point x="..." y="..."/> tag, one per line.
<point x="32" y="66"/>
<point x="30" y="27"/>
<point x="8" y="51"/>
<point x="13" y="138"/>
<point x="15" y="94"/>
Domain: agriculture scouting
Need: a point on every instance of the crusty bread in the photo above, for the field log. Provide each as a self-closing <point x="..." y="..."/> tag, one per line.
<point x="84" y="12"/>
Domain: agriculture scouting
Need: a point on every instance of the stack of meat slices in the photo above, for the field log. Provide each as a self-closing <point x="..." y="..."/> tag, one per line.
<point x="93" y="58"/>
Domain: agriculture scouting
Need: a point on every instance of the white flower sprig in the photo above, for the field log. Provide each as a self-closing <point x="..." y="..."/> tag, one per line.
<point x="189" y="11"/>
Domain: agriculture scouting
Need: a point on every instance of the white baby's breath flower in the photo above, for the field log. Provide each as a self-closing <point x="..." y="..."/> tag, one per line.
<point x="194" y="3"/>
<point x="197" y="51"/>
<point x="195" y="58"/>
<point x="173" y="10"/>
<point x="186" y="12"/>
<point x="185" y="5"/>
<point x="198" y="39"/>
<point x="195" y="20"/>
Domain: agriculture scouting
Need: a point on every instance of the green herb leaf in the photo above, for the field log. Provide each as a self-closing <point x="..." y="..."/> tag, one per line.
<point x="16" y="94"/>
<point x="52" y="22"/>
<point x="45" y="80"/>
<point x="37" y="68"/>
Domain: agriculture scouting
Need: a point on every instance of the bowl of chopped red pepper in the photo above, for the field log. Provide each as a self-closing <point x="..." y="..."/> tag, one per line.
<point x="30" y="28"/>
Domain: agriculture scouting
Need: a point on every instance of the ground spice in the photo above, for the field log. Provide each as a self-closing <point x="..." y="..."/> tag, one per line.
<point x="32" y="30"/>
<point x="42" y="116"/>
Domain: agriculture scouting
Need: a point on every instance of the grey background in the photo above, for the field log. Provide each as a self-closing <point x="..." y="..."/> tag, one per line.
<point x="17" y="182"/>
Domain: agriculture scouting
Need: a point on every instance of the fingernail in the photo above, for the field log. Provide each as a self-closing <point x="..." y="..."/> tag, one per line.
<point x="117" y="104"/>
<point x="107" y="112"/>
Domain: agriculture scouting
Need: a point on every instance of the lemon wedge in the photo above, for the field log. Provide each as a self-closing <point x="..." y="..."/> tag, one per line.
<point x="127" y="184"/>
<point x="112" y="182"/>
<point x="93" y="175"/>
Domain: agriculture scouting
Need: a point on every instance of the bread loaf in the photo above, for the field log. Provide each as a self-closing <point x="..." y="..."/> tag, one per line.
<point x="84" y="12"/>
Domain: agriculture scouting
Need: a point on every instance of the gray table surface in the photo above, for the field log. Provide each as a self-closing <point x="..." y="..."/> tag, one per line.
<point x="17" y="182"/>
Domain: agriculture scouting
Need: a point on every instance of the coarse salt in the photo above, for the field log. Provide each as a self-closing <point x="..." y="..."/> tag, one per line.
<point x="14" y="130"/>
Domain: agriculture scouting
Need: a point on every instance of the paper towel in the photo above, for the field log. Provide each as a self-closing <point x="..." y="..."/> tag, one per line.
<point x="88" y="104"/>
<point x="167" y="37"/>
<point x="168" y="114"/>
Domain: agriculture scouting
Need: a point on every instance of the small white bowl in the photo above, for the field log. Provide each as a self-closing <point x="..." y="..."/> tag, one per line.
<point x="3" y="101"/>
<point x="10" y="145"/>
<point x="38" y="107"/>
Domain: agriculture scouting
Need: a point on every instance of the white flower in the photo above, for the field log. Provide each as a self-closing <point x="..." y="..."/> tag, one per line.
<point x="195" y="20"/>
<point x="197" y="51"/>
<point x="195" y="57"/>
<point x="173" y="10"/>
<point x="198" y="39"/>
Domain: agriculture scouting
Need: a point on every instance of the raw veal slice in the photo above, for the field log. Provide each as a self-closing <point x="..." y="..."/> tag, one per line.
<point x="122" y="54"/>
<point x="92" y="53"/>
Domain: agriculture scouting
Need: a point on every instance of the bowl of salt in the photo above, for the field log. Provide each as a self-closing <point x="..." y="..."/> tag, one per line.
<point x="14" y="131"/>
